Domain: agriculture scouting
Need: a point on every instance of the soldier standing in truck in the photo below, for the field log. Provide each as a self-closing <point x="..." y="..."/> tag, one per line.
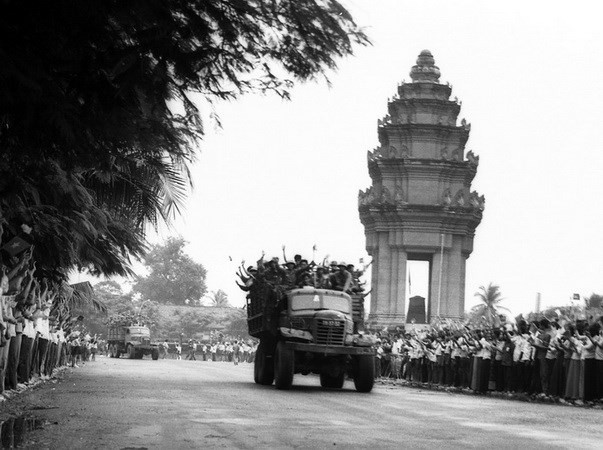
<point x="342" y="279"/>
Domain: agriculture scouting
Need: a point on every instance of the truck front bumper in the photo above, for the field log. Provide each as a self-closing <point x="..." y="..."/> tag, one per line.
<point x="331" y="349"/>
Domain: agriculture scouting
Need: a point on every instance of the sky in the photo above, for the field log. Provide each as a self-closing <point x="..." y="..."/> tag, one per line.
<point x="288" y="172"/>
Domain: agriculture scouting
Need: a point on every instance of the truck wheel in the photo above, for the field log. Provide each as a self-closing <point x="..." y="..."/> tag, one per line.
<point x="364" y="372"/>
<point x="155" y="354"/>
<point x="329" y="381"/>
<point x="284" y="359"/>
<point x="113" y="351"/>
<point x="131" y="351"/>
<point x="263" y="368"/>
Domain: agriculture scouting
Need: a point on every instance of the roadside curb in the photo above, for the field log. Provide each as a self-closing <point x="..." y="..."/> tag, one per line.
<point x="520" y="397"/>
<point x="57" y="373"/>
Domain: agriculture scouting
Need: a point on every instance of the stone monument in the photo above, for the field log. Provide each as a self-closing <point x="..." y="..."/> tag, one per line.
<point x="420" y="205"/>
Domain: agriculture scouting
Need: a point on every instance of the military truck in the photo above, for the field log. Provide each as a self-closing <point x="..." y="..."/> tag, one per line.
<point x="307" y="331"/>
<point x="132" y="340"/>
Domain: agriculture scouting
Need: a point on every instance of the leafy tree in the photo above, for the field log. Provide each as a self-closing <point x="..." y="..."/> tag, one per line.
<point x="173" y="276"/>
<point x="594" y="301"/>
<point x="115" y="301"/>
<point x="219" y="298"/>
<point x="488" y="311"/>
<point x="97" y="125"/>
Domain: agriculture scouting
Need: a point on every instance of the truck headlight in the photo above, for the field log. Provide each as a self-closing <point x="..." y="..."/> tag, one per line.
<point x="298" y="334"/>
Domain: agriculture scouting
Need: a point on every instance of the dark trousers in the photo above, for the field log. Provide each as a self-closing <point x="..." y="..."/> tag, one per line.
<point x="447" y="370"/>
<point x="538" y="371"/>
<point x="461" y="378"/>
<point x="24" y="369"/>
<point x="599" y="368"/>
<point x="590" y="379"/>
<point x="484" y="375"/>
<point x="33" y="355"/>
<point x="525" y="378"/>
<point x="13" y="361"/>
<point x="40" y="358"/>
<point x="51" y="358"/>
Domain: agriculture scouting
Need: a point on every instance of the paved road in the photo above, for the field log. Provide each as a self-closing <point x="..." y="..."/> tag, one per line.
<point x="171" y="404"/>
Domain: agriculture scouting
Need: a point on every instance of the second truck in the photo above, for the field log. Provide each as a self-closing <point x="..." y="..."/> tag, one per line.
<point x="132" y="340"/>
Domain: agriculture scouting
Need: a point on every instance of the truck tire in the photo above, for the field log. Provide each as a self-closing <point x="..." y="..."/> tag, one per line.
<point x="364" y="372"/>
<point x="263" y="368"/>
<point x="131" y="351"/>
<point x="329" y="381"/>
<point x="155" y="354"/>
<point x="113" y="351"/>
<point x="284" y="366"/>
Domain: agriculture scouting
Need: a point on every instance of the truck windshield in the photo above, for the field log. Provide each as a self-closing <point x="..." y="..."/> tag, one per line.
<point x="140" y="331"/>
<point x="310" y="301"/>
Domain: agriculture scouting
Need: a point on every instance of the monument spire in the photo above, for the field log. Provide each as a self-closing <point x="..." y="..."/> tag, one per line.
<point x="425" y="70"/>
<point x="420" y="205"/>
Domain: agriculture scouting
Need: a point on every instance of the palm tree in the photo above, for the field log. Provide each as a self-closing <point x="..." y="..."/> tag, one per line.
<point x="487" y="312"/>
<point x="219" y="298"/>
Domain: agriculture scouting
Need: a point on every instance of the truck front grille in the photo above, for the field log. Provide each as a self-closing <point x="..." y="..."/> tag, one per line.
<point x="329" y="332"/>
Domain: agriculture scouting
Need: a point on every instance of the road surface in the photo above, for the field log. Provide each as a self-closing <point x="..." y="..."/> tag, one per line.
<point x="170" y="404"/>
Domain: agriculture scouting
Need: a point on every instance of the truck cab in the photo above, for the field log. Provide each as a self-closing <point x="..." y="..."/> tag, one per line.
<point x="315" y="332"/>
<point x="132" y="340"/>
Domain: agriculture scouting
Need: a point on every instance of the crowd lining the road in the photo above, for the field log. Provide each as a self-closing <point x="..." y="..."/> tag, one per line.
<point x="557" y="359"/>
<point x="227" y="350"/>
<point x="560" y="360"/>
<point x="37" y="332"/>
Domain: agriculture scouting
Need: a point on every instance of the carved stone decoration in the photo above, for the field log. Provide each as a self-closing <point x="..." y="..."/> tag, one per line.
<point x="447" y="197"/>
<point x="473" y="159"/>
<point x="404" y="152"/>
<point x="386" y="196"/>
<point x="459" y="198"/>
<point x="361" y="198"/>
<point x="457" y="154"/>
<point x="394" y="152"/>
<point x="482" y="202"/>
<point x="370" y="196"/>
<point x="441" y="118"/>
<point x="399" y="194"/>
<point x="410" y="113"/>
<point x="444" y="153"/>
<point x="474" y="199"/>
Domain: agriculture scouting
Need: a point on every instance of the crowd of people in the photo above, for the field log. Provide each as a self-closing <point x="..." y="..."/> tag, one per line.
<point x="300" y="273"/>
<point x="37" y="332"/>
<point x="559" y="359"/>
<point x="227" y="350"/>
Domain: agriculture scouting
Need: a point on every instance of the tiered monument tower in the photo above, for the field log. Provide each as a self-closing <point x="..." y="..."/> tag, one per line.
<point x="420" y="206"/>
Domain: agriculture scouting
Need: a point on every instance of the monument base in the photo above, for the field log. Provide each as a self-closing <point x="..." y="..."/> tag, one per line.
<point x="381" y="321"/>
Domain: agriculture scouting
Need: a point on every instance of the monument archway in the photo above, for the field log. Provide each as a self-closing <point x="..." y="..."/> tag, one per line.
<point x="420" y="205"/>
